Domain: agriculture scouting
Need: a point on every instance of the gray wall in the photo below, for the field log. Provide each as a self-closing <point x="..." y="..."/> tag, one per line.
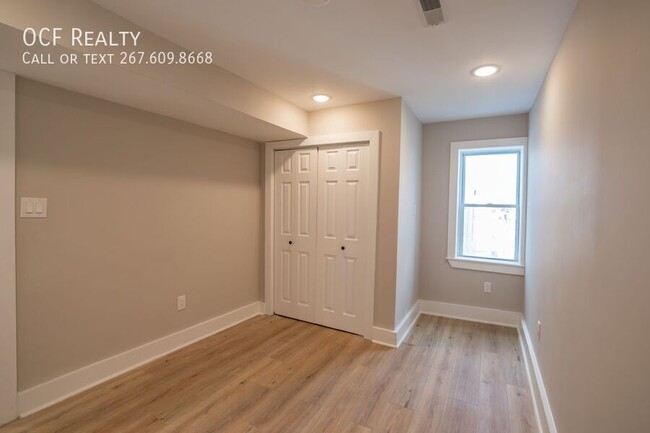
<point x="384" y="116"/>
<point x="142" y="208"/>
<point x="408" y="234"/>
<point x="8" y="369"/>
<point x="438" y="280"/>
<point x="587" y="276"/>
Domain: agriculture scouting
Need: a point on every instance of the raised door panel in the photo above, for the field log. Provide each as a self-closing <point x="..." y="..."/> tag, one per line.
<point x="285" y="275"/>
<point x="295" y="233"/>
<point x="342" y="244"/>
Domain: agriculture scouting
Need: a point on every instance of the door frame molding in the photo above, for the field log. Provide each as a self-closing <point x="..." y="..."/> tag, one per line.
<point x="372" y="139"/>
<point x="8" y="355"/>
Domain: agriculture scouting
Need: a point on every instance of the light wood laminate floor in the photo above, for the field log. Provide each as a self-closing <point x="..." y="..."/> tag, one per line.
<point x="272" y="374"/>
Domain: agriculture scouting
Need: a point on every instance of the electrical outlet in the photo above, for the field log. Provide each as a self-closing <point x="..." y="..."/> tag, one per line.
<point x="539" y="330"/>
<point x="487" y="287"/>
<point x="180" y="303"/>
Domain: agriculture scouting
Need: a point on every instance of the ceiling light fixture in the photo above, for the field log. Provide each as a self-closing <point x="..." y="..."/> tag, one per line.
<point x="485" y="71"/>
<point x="321" y="98"/>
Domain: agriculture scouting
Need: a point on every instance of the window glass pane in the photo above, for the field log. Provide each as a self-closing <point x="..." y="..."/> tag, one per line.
<point x="491" y="179"/>
<point x="489" y="232"/>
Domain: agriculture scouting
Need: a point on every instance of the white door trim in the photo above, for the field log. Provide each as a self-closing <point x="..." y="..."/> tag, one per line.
<point x="8" y="369"/>
<point x="372" y="138"/>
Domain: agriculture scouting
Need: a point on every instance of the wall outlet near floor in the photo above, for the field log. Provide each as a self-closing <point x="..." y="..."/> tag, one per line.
<point x="539" y="330"/>
<point x="487" y="287"/>
<point x="180" y="303"/>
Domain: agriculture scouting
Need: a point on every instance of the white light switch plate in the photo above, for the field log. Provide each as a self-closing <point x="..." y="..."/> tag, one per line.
<point x="31" y="207"/>
<point x="180" y="303"/>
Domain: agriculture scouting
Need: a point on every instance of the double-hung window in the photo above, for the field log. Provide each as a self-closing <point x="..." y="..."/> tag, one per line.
<point x="487" y="205"/>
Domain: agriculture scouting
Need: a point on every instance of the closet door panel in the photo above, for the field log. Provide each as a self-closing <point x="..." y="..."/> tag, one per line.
<point x="295" y="233"/>
<point x="342" y="245"/>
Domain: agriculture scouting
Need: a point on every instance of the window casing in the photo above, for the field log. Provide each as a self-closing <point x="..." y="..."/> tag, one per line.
<point x="487" y="197"/>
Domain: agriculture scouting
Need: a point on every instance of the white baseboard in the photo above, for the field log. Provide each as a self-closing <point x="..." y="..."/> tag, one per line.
<point x="74" y="382"/>
<point x="394" y="338"/>
<point x="385" y="337"/>
<point x="473" y="314"/>
<point x="69" y="384"/>
<point x="406" y="325"/>
<point x="541" y="404"/>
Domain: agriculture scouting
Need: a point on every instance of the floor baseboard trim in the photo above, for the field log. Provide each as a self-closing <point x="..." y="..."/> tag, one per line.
<point x="408" y="322"/>
<point x="467" y="312"/>
<point x="385" y="337"/>
<point x="395" y="337"/>
<point x="541" y="403"/>
<point x="65" y="386"/>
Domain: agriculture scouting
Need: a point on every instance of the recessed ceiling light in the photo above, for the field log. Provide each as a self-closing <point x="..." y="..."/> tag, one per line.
<point x="485" y="71"/>
<point x="321" y="98"/>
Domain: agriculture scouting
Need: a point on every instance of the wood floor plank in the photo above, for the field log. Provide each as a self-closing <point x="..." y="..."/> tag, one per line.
<point x="291" y="417"/>
<point x="460" y="417"/>
<point x="493" y="408"/>
<point x="493" y="405"/>
<point x="330" y="420"/>
<point x="469" y="365"/>
<point x="326" y="381"/>
<point x="510" y="359"/>
<point x="430" y="409"/>
<point x="431" y="418"/>
<point x="491" y="370"/>
<point x="278" y="375"/>
<point x="490" y="341"/>
<point x="425" y="326"/>
<point x="520" y="410"/>
<point x="389" y="417"/>
<point x="448" y="349"/>
<point x="407" y="385"/>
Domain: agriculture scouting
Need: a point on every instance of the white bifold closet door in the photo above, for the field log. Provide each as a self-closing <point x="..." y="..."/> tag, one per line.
<point x="295" y="233"/>
<point x="342" y="251"/>
<point x="321" y="241"/>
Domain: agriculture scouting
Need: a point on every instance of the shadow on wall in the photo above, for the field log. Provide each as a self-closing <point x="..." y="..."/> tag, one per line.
<point x="114" y="150"/>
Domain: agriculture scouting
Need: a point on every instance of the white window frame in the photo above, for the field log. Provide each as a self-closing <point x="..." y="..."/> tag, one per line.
<point x="480" y="264"/>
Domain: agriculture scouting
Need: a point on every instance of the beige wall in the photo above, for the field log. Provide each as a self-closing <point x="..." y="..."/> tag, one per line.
<point x="141" y="209"/>
<point x="438" y="280"/>
<point x="8" y="405"/>
<point x="384" y="116"/>
<point x="589" y="208"/>
<point x="408" y="234"/>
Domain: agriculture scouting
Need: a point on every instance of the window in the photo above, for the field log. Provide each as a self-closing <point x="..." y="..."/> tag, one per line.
<point x="487" y="191"/>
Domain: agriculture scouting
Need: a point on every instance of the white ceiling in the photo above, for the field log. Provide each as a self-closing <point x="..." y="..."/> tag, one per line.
<point x="363" y="50"/>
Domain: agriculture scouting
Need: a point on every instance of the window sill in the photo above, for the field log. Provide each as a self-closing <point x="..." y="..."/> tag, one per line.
<point x="486" y="266"/>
